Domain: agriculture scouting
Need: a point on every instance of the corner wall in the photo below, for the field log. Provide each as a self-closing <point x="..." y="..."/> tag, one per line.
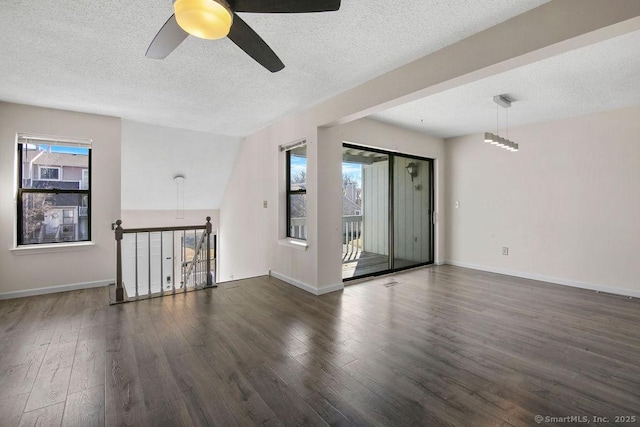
<point x="567" y="205"/>
<point x="249" y="232"/>
<point x="23" y="272"/>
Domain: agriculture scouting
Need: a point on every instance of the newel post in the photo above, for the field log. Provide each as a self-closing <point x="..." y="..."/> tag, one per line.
<point x="208" y="231"/>
<point x="119" y="288"/>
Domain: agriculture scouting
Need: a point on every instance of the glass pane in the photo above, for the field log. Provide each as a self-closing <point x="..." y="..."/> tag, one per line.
<point x="365" y="212"/>
<point x="55" y="167"/>
<point x="298" y="168"/>
<point x="52" y="218"/>
<point x="412" y="212"/>
<point x="298" y="213"/>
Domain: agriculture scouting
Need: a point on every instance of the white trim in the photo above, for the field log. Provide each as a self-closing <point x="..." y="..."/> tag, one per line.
<point x="331" y="288"/>
<point x="555" y="280"/>
<point x="54" y="289"/>
<point x="299" y="244"/>
<point x="293" y="145"/>
<point x="51" y="248"/>
<point x="28" y="138"/>
<point x="304" y="286"/>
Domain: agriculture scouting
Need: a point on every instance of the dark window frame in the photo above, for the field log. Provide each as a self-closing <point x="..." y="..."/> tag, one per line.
<point x="22" y="191"/>
<point x="290" y="193"/>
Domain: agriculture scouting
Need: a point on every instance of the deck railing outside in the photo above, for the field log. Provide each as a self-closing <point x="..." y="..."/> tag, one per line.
<point x="352" y="232"/>
<point x="298" y="228"/>
<point x="351" y="237"/>
<point x="163" y="260"/>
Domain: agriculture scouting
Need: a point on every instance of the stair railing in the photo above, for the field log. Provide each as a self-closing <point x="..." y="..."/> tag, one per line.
<point x="138" y="254"/>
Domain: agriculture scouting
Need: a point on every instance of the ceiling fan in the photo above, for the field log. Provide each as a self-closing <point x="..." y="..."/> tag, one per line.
<point x="215" y="19"/>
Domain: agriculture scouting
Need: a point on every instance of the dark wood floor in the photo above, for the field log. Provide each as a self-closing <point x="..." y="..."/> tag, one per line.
<point x="442" y="346"/>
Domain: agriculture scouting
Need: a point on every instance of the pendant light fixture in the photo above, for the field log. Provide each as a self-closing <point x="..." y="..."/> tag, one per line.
<point x="495" y="139"/>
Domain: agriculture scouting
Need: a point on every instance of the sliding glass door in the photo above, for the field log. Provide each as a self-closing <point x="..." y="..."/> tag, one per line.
<point x="412" y="210"/>
<point x="365" y="212"/>
<point x="387" y="206"/>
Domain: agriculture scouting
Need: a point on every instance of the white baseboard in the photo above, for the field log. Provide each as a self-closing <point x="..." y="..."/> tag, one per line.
<point x="54" y="289"/>
<point x="555" y="280"/>
<point x="306" y="287"/>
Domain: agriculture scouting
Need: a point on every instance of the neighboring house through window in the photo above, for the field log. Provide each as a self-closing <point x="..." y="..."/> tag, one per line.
<point x="297" y="191"/>
<point x="54" y="190"/>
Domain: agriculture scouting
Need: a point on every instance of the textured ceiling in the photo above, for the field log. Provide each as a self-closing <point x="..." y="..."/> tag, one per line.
<point x="89" y="56"/>
<point x="599" y="77"/>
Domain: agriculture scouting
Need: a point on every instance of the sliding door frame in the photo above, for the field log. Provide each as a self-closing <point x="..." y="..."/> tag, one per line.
<point x="391" y="226"/>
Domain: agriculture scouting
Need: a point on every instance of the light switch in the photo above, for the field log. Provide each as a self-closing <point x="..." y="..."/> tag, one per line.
<point x="457" y="204"/>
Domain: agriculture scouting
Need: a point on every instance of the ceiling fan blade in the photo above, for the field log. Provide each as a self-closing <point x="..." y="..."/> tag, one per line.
<point x="168" y="38"/>
<point x="249" y="41"/>
<point x="284" y="6"/>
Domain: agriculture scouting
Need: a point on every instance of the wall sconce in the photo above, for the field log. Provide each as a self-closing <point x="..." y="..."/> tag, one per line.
<point x="412" y="170"/>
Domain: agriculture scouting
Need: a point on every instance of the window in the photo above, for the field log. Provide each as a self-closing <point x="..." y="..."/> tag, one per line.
<point x="297" y="192"/>
<point x="49" y="209"/>
<point x="49" y="173"/>
<point x="84" y="184"/>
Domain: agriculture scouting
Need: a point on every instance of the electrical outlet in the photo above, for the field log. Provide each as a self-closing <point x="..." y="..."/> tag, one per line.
<point x="264" y="203"/>
<point x="505" y="250"/>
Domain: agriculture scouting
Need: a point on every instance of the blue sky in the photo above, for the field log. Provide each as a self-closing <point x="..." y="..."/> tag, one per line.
<point x="353" y="169"/>
<point x="69" y="150"/>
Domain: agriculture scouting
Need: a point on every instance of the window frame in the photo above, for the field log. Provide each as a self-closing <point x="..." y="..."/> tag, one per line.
<point x="22" y="140"/>
<point x="58" y="168"/>
<point x="290" y="193"/>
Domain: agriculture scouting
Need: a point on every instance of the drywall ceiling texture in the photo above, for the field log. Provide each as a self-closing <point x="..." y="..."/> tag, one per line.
<point x="599" y="77"/>
<point x="153" y="155"/>
<point x="89" y="56"/>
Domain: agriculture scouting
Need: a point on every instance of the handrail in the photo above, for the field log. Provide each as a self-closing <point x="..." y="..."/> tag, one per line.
<point x="158" y="229"/>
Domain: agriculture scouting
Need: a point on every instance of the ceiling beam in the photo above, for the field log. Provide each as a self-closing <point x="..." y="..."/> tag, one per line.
<point x="546" y="31"/>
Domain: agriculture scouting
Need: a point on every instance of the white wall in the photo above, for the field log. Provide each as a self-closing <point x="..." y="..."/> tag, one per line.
<point x="375" y="207"/>
<point x="132" y="218"/>
<point x="249" y="232"/>
<point x="567" y="205"/>
<point x="153" y="155"/>
<point x="21" y="272"/>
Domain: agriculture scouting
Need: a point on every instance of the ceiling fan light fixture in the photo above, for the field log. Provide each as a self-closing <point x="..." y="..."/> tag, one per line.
<point x="206" y="19"/>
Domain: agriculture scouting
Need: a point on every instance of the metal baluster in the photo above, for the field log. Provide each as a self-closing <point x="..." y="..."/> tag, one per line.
<point x="184" y="257"/>
<point x="173" y="261"/>
<point x="161" y="263"/>
<point x="136" y="251"/>
<point x="350" y="239"/>
<point x="149" y="260"/>
<point x="215" y="260"/>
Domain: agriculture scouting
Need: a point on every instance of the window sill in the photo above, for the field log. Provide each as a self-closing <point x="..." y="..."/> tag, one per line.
<point x="51" y="248"/>
<point x="298" y="244"/>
